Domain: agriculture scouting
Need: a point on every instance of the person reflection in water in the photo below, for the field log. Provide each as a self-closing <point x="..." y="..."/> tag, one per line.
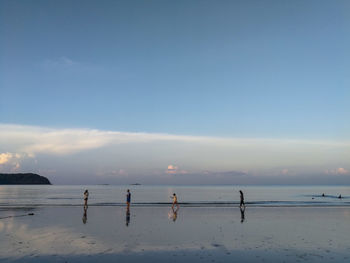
<point x="85" y="215"/>
<point x="127" y="218"/>
<point x="173" y="214"/>
<point x="242" y="214"/>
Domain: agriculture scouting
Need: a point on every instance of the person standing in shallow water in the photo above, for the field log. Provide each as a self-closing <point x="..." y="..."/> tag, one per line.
<point x="174" y="197"/>
<point x="241" y="204"/>
<point x="128" y="198"/>
<point x="86" y="197"/>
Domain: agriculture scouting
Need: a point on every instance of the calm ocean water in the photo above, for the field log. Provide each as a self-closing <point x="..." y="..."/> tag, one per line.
<point x="34" y="195"/>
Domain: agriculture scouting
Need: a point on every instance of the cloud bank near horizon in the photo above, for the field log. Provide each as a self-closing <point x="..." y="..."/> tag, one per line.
<point x="86" y="154"/>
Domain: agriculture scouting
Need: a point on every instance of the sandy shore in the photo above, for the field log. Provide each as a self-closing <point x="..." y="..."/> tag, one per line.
<point x="149" y="234"/>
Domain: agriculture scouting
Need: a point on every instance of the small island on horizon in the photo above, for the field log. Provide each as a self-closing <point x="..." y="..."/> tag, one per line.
<point x="23" y="178"/>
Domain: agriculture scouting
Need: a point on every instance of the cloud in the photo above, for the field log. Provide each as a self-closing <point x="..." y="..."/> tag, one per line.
<point x="172" y="169"/>
<point x="5" y="157"/>
<point x="61" y="62"/>
<point x="10" y="162"/>
<point x="339" y="170"/>
<point x="120" y="172"/>
<point x="34" y="139"/>
<point x="342" y="171"/>
<point x="114" y="173"/>
<point x="284" y="171"/>
<point x="225" y="173"/>
<point x="87" y="153"/>
<point x="66" y="64"/>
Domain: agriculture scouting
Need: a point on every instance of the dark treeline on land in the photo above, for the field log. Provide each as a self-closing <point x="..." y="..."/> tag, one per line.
<point x="23" y="178"/>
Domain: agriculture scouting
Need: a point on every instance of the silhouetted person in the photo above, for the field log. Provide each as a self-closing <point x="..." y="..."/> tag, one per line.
<point x="86" y="197"/>
<point x="323" y="195"/>
<point x="242" y="214"/>
<point x="127" y="218"/>
<point x="340" y="197"/>
<point x="174" y="197"/>
<point x="241" y="204"/>
<point x="85" y="215"/>
<point x="128" y="198"/>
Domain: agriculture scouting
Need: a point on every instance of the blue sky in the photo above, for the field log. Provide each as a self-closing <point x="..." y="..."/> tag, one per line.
<point x="266" y="70"/>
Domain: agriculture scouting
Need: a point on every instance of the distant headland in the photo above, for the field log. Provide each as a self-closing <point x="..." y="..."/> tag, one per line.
<point x="23" y="178"/>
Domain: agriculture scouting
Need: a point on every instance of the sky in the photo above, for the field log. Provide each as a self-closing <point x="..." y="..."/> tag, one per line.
<point x="176" y="92"/>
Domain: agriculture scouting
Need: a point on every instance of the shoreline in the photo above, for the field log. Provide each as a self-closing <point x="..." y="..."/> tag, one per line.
<point x="150" y="205"/>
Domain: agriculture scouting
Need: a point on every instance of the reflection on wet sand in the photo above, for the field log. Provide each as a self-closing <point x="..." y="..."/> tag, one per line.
<point x="51" y="237"/>
<point x="85" y="215"/>
<point x="127" y="218"/>
<point x="173" y="214"/>
<point x="242" y="214"/>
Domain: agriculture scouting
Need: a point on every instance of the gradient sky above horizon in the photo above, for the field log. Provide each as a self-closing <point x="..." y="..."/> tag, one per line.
<point x="204" y="91"/>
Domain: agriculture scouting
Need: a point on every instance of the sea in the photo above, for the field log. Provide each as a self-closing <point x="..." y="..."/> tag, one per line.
<point x="160" y="195"/>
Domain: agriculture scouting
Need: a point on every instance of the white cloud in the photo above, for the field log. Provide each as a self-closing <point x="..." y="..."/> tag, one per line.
<point x="342" y="171"/>
<point x="225" y="173"/>
<point x="118" y="154"/>
<point x="113" y="173"/>
<point x="118" y="173"/>
<point x="339" y="170"/>
<point x="5" y="157"/>
<point x="172" y="169"/>
<point x="61" y="62"/>
<point x="284" y="171"/>
<point x="10" y="162"/>
<point x="34" y="139"/>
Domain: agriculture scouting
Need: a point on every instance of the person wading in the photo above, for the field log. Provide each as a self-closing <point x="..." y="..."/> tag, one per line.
<point x="128" y="198"/>
<point x="241" y="204"/>
<point x="86" y="197"/>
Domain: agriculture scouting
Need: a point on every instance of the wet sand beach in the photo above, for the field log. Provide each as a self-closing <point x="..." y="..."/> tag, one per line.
<point x="200" y="234"/>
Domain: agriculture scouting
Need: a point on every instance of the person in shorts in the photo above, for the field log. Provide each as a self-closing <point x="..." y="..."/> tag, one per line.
<point x="86" y="197"/>
<point x="128" y="198"/>
<point x="241" y="204"/>
<point x="174" y="197"/>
